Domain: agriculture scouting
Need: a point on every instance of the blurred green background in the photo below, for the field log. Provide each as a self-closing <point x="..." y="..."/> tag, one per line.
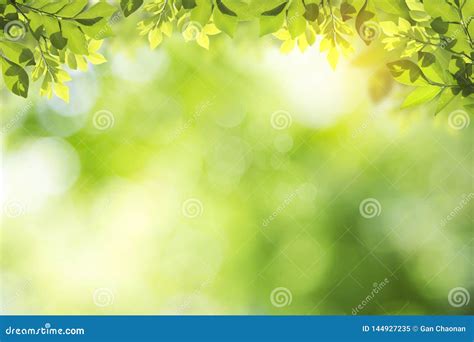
<point x="232" y="181"/>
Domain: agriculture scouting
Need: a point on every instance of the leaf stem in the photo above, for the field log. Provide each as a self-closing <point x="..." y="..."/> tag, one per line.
<point x="465" y="26"/>
<point x="163" y="9"/>
<point x="45" y="13"/>
<point x="463" y="54"/>
<point x="42" y="52"/>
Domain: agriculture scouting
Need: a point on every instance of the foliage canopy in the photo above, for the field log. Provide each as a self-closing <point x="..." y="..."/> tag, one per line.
<point x="429" y="42"/>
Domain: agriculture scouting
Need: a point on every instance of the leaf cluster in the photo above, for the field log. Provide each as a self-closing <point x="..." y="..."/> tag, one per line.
<point x="431" y="41"/>
<point x="41" y="40"/>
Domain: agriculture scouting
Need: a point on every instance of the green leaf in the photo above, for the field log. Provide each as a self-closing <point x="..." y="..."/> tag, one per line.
<point x="98" y="11"/>
<point x="407" y="72"/>
<point x="270" y="24"/>
<point x="17" y="53"/>
<point x="441" y="8"/>
<point x="155" y="37"/>
<point x="77" y="42"/>
<point x="51" y="25"/>
<point x="53" y="6"/>
<point x="202" y="12"/>
<point x="73" y="8"/>
<point x="224" y="9"/>
<point x="347" y="11"/>
<point x="130" y="6"/>
<point x="61" y="91"/>
<point x="58" y="41"/>
<point x="421" y="95"/>
<point x="98" y="30"/>
<point x="432" y="67"/>
<point x="275" y="11"/>
<point x="396" y="7"/>
<point x="446" y="97"/>
<point x="225" y="23"/>
<point x="440" y="26"/>
<point x="47" y="86"/>
<point x="189" y="4"/>
<point x="15" y="77"/>
<point x="36" y="24"/>
<point x="295" y="20"/>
